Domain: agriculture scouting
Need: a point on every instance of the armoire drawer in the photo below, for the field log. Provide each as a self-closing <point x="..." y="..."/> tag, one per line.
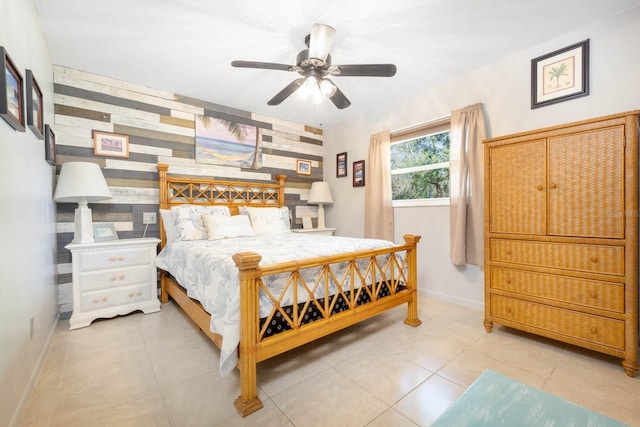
<point x="587" y="327"/>
<point x="568" y="256"/>
<point x="589" y="293"/>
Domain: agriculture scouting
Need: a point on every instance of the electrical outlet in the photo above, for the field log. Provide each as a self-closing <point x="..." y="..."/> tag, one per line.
<point x="149" y="218"/>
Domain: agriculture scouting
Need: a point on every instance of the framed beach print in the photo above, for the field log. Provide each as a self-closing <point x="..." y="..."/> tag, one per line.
<point x="341" y="165"/>
<point x="303" y="167"/>
<point x="11" y="97"/>
<point x="35" y="119"/>
<point x="110" y="144"/>
<point x="102" y="232"/>
<point x="49" y="145"/>
<point x="358" y="173"/>
<point x="560" y="75"/>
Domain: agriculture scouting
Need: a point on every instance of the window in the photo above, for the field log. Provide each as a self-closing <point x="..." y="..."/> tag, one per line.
<point x="420" y="165"/>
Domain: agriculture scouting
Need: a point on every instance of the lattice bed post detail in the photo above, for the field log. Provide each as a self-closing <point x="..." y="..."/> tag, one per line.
<point x="163" y="197"/>
<point x="412" y="315"/>
<point x="247" y="263"/>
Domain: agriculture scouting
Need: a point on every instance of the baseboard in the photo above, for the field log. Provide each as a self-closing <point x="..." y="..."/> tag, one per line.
<point x="35" y="374"/>
<point x="465" y="302"/>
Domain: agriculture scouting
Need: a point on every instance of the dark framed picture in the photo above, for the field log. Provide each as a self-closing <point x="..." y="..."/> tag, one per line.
<point x="35" y="119"/>
<point x="49" y="145"/>
<point x="303" y="167"/>
<point x="11" y="98"/>
<point x="358" y="173"/>
<point x="560" y="75"/>
<point x="110" y="144"/>
<point x="341" y="165"/>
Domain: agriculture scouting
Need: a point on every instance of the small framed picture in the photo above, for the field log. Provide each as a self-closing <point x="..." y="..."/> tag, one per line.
<point x="306" y="222"/>
<point x="303" y="167"/>
<point x="110" y="144"/>
<point x="560" y="75"/>
<point x="102" y="232"/>
<point x="358" y="173"/>
<point x="11" y="95"/>
<point x="49" y="145"/>
<point x="341" y="165"/>
<point x="35" y="118"/>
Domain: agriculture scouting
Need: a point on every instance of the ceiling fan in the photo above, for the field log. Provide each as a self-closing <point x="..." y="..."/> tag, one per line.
<point x="314" y="65"/>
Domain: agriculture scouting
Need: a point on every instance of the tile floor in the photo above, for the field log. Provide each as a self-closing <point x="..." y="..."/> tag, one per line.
<point x="159" y="370"/>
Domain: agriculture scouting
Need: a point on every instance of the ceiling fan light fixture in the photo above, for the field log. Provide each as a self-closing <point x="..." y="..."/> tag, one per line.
<point x="327" y="88"/>
<point x="310" y="90"/>
<point x="321" y="41"/>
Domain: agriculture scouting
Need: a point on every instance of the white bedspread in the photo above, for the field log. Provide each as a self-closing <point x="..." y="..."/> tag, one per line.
<point x="205" y="269"/>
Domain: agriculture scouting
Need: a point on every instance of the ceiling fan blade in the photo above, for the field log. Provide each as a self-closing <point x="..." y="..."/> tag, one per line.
<point x="320" y="41"/>
<point x="367" y="70"/>
<point x="339" y="100"/>
<point x="284" y="93"/>
<point x="261" y="65"/>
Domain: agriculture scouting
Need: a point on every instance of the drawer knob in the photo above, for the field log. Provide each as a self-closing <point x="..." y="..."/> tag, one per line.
<point x="121" y="258"/>
<point x="553" y="185"/>
<point x="594" y="294"/>
<point x="130" y="294"/>
<point x="105" y="298"/>
<point x="594" y="259"/>
<point x="540" y="187"/>
<point x="113" y="278"/>
<point x="139" y="293"/>
<point x="121" y="277"/>
<point x="594" y="330"/>
<point x="509" y="310"/>
<point x="96" y="300"/>
<point x="508" y="251"/>
<point x="113" y="258"/>
<point x="508" y="280"/>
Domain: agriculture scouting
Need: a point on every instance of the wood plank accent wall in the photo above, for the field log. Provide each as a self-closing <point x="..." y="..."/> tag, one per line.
<point x="161" y="129"/>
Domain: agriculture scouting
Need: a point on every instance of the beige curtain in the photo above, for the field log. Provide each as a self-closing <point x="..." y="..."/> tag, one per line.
<point x="466" y="185"/>
<point x="378" y="214"/>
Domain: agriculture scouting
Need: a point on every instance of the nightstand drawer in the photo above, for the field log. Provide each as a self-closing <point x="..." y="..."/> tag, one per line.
<point x="114" y="258"/>
<point x="98" y="300"/>
<point x="589" y="258"/>
<point x="91" y="281"/>
<point x="588" y="293"/>
<point x="133" y="294"/>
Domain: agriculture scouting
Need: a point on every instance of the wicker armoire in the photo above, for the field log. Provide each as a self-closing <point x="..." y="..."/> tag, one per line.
<point x="561" y="234"/>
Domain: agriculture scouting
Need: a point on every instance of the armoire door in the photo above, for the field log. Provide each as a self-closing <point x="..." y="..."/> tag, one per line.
<point x="518" y="188"/>
<point x="586" y="184"/>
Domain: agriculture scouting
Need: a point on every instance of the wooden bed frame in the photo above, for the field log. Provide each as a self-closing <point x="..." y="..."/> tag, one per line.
<point x="398" y="275"/>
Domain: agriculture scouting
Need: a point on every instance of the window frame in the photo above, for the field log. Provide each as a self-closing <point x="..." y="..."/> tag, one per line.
<point x="439" y="125"/>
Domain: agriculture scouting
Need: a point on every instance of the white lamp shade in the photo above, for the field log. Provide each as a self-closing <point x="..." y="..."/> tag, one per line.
<point x="81" y="181"/>
<point x="321" y="41"/>
<point x="320" y="193"/>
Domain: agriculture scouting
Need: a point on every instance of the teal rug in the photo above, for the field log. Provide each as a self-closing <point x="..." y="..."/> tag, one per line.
<point x="495" y="400"/>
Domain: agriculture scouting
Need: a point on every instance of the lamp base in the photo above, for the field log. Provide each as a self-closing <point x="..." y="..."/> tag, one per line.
<point x="321" y="216"/>
<point x="84" y="226"/>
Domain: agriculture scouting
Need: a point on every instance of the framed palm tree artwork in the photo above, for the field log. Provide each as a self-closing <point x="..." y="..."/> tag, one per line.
<point x="228" y="143"/>
<point x="560" y="75"/>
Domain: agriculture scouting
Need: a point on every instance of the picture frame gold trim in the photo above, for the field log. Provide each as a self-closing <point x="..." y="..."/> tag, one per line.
<point x="303" y="167"/>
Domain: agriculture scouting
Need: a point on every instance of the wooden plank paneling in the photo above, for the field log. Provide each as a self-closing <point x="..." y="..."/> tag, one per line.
<point x="161" y="129"/>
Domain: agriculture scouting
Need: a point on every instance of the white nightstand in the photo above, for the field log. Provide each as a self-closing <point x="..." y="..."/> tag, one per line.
<point x="318" y="231"/>
<point x="113" y="277"/>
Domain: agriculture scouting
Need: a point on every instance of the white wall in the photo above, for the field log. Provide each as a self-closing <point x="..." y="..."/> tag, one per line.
<point x="504" y="88"/>
<point x="27" y="225"/>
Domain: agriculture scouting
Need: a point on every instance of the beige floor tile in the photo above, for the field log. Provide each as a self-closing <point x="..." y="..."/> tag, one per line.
<point x="430" y="399"/>
<point x="383" y="373"/>
<point x="391" y="418"/>
<point x="329" y="399"/>
<point x="269" y="416"/>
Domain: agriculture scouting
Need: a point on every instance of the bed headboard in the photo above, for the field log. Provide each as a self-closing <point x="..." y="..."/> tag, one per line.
<point x="179" y="190"/>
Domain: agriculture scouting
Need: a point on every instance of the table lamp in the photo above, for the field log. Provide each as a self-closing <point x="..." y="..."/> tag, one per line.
<point x="320" y="195"/>
<point x="81" y="182"/>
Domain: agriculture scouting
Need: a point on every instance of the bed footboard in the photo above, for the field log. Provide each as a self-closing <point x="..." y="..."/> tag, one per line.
<point x="372" y="282"/>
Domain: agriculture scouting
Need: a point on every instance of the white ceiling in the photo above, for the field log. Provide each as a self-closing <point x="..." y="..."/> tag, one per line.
<point x="186" y="46"/>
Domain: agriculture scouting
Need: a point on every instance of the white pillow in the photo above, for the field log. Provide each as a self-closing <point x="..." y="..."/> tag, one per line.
<point x="284" y="213"/>
<point x="223" y="227"/>
<point x="168" y="224"/>
<point x="188" y="220"/>
<point x="267" y="221"/>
